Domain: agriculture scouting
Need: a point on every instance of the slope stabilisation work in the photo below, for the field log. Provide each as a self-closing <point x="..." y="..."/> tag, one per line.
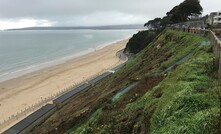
<point x="172" y="88"/>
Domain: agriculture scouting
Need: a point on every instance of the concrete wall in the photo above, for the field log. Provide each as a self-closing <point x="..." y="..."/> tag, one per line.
<point x="215" y="41"/>
<point x="24" y="126"/>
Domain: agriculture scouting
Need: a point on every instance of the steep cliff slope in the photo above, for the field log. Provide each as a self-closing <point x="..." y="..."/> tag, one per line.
<point x="169" y="87"/>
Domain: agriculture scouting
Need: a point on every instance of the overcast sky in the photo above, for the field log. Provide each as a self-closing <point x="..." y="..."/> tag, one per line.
<point x="27" y="13"/>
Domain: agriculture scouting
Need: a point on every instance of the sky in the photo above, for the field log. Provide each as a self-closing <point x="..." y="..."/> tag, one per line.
<point x="30" y="13"/>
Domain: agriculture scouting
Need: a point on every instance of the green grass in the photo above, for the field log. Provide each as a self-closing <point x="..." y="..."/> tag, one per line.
<point x="187" y="105"/>
<point x="186" y="101"/>
<point x="85" y="127"/>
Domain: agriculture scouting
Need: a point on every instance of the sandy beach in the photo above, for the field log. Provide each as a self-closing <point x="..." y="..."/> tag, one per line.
<point x="18" y="93"/>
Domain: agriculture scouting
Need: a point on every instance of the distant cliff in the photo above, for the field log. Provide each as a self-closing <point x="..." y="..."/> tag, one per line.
<point x="108" y="27"/>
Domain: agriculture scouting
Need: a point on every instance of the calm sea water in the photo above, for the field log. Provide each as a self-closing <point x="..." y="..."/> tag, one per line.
<point x="27" y="51"/>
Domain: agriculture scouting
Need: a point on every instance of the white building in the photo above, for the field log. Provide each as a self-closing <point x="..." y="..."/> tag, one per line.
<point x="217" y="18"/>
<point x="211" y="18"/>
<point x="214" y="18"/>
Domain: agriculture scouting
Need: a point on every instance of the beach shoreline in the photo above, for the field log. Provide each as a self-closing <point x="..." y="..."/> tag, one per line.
<point x="48" y="64"/>
<point x="18" y="93"/>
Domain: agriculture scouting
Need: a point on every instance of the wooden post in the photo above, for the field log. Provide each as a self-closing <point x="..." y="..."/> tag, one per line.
<point x="219" y="125"/>
<point x="219" y="64"/>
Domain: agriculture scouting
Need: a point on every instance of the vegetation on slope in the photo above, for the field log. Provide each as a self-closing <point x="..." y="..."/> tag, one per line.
<point x="182" y="99"/>
<point x="140" y="40"/>
<point x="182" y="103"/>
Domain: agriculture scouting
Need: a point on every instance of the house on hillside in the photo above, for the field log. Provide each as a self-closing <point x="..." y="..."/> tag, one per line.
<point x="211" y="18"/>
<point x="217" y="18"/>
<point x="194" y="17"/>
<point x="214" y="18"/>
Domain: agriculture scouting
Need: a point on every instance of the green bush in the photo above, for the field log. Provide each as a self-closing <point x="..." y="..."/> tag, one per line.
<point x="140" y="40"/>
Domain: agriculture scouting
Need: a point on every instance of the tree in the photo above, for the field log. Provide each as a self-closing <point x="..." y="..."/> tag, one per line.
<point x="179" y="13"/>
<point x="140" y="40"/>
<point x="155" y="23"/>
<point x="165" y="21"/>
<point x="183" y="11"/>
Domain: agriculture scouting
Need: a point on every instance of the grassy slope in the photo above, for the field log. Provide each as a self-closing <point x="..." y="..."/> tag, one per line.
<point x="182" y="101"/>
<point x="185" y="101"/>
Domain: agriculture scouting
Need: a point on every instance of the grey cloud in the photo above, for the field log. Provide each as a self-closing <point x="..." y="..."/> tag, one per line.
<point x="45" y="8"/>
<point x="86" y="12"/>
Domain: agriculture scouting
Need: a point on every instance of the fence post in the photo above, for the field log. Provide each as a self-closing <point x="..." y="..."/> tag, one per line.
<point x="219" y="51"/>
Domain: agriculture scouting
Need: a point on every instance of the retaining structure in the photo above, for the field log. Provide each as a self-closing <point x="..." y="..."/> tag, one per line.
<point x="24" y="126"/>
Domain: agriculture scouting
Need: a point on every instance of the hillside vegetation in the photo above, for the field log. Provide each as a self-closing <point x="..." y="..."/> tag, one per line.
<point x="170" y="87"/>
<point x="140" y="40"/>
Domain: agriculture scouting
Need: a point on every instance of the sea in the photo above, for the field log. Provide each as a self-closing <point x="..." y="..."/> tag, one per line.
<point x="25" y="51"/>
